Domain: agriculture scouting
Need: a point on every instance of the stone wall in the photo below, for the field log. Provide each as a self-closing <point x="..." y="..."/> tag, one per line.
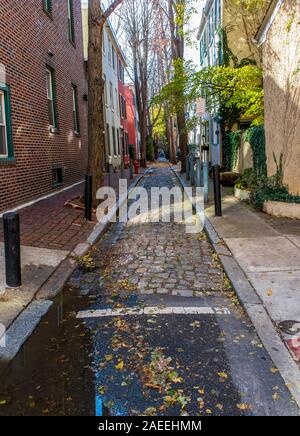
<point x="281" y="54"/>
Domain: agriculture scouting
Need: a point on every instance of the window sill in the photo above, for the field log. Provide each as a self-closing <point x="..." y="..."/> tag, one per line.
<point x="53" y="130"/>
<point x="6" y="161"/>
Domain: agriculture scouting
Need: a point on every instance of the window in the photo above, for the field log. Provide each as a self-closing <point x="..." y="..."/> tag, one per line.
<point x="109" y="51"/>
<point x="105" y="90"/>
<point x="111" y="95"/>
<point x="117" y="102"/>
<point x="108" y="137"/>
<point x="125" y="109"/>
<point x="113" y="55"/>
<point x="71" y="27"/>
<point x="6" y="146"/>
<point x="57" y="174"/>
<point x="48" y="6"/>
<point x="103" y="43"/>
<point x="119" y="145"/>
<point x="51" y="98"/>
<point x="114" y="140"/>
<point x="76" y="123"/>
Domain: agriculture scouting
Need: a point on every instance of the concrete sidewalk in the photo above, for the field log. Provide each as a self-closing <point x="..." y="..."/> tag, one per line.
<point x="268" y="251"/>
<point x="51" y="236"/>
<point x="261" y="256"/>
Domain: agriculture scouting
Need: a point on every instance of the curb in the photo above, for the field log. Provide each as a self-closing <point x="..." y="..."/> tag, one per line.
<point x="24" y="325"/>
<point x="254" y="308"/>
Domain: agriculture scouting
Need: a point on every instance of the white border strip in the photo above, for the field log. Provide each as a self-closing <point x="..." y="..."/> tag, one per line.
<point x="152" y="311"/>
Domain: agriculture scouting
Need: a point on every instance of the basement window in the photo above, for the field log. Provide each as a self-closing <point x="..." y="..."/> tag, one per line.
<point x="57" y="174"/>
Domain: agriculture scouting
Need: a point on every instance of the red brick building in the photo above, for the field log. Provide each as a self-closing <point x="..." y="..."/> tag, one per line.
<point x="43" y="108"/>
<point x="132" y="121"/>
<point x="123" y="110"/>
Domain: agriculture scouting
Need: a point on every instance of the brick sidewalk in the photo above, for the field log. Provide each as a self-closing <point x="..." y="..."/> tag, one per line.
<point x="48" y="224"/>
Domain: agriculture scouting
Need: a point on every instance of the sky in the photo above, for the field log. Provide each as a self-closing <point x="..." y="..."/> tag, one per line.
<point x="191" y="53"/>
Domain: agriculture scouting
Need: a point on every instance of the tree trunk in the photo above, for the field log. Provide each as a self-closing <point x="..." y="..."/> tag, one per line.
<point x="96" y="126"/>
<point x="183" y="140"/>
<point x="172" y="141"/>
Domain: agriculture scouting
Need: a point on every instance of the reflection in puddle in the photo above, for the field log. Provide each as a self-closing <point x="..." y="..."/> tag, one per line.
<point x="52" y="374"/>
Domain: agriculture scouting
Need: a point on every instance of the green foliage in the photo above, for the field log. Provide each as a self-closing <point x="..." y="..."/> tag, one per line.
<point x="231" y="147"/>
<point x="264" y="188"/>
<point x="247" y="180"/>
<point x="237" y="90"/>
<point x="159" y="127"/>
<point x="150" y="149"/>
<point x="256" y="137"/>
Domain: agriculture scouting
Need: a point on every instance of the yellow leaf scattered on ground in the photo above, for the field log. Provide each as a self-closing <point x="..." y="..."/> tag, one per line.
<point x="223" y="375"/>
<point x="120" y="366"/>
<point x="3" y="402"/>
<point x="274" y="370"/>
<point x="101" y="390"/>
<point x="269" y="292"/>
<point x="243" y="406"/>
<point x="276" y="396"/>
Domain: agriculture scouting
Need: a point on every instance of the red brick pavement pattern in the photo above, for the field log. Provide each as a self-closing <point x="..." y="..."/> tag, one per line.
<point x="48" y="224"/>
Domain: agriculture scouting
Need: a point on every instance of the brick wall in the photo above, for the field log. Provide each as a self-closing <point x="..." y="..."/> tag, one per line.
<point x="27" y="36"/>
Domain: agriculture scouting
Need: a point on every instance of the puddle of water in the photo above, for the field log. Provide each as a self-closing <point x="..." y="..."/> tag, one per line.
<point x="52" y="374"/>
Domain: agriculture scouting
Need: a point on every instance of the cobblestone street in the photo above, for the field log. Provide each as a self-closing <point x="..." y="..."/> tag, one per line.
<point x="149" y="325"/>
<point x="160" y="258"/>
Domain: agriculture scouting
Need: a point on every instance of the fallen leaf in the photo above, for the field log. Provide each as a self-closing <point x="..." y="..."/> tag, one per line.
<point x="120" y="366"/>
<point x="243" y="406"/>
<point x="274" y="370"/>
<point x="223" y="375"/>
<point x="269" y="292"/>
<point x="3" y="402"/>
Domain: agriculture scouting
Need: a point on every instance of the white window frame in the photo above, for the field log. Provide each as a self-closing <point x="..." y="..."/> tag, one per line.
<point x="2" y="102"/>
<point x="49" y="76"/>
<point x="75" y="110"/>
<point x="111" y="96"/>
<point x="105" y="90"/>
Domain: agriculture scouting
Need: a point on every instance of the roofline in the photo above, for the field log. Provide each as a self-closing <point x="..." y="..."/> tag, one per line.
<point x="113" y="34"/>
<point x="267" y="22"/>
<point x="205" y="12"/>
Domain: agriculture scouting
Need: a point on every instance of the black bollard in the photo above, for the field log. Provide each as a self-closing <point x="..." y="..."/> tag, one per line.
<point x="217" y="190"/>
<point x="131" y="169"/>
<point x="88" y="197"/>
<point x="12" y="249"/>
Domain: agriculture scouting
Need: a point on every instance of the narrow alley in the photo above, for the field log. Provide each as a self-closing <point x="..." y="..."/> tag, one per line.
<point x="148" y="325"/>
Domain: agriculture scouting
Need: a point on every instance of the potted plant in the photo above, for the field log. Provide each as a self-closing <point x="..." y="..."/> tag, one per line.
<point x="244" y="184"/>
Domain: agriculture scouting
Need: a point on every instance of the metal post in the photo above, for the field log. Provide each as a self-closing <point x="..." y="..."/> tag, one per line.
<point x="205" y="181"/>
<point x="192" y="171"/>
<point x="110" y="175"/>
<point x="131" y="169"/>
<point x="122" y="170"/>
<point x="217" y="190"/>
<point x="188" y="167"/>
<point x="12" y="249"/>
<point x="198" y="172"/>
<point x="88" y="197"/>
